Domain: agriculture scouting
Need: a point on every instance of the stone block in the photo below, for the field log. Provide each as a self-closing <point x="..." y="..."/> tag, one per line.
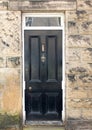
<point x="13" y="62"/>
<point x="74" y="113"/>
<point x="79" y="54"/>
<point x="72" y="27"/>
<point x="76" y="93"/>
<point x="86" y="54"/>
<point x="84" y="4"/>
<point x="79" y="124"/>
<point x="79" y="15"/>
<point x="89" y="91"/>
<point x="79" y="41"/>
<point x="87" y="114"/>
<point x="10" y="38"/>
<point x="79" y="22"/>
<point x="79" y="103"/>
<point x="85" y="27"/>
<point x="41" y="5"/>
<point x="12" y="91"/>
<point x="73" y="54"/>
<point x="75" y="67"/>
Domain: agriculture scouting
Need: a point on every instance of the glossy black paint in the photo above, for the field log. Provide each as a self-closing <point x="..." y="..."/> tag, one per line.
<point x="43" y="74"/>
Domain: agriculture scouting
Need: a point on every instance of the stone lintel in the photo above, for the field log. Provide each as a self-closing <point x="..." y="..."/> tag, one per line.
<point x="28" y="5"/>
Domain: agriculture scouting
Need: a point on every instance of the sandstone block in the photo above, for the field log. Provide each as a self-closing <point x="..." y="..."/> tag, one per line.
<point x="80" y="103"/>
<point x="75" y="67"/>
<point x="87" y="113"/>
<point x="89" y="93"/>
<point x="74" y="113"/>
<point x="11" y="97"/>
<point x="76" y="93"/>
<point x="41" y="5"/>
<point x="85" y="27"/>
<point x="79" y="22"/>
<point x="79" y="124"/>
<point x="10" y="38"/>
<point x="86" y="54"/>
<point x="84" y="4"/>
<point x="79" y="41"/>
<point x="73" y="54"/>
<point x="79" y="54"/>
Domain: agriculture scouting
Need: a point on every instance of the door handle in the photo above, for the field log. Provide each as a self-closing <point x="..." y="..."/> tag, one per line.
<point x="30" y="88"/>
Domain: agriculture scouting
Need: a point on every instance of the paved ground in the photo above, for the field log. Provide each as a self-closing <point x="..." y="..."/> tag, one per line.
<point x="44" y="128"/>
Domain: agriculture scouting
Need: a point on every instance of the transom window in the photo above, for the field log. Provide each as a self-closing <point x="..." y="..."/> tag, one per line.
<point x="43" y="21"/>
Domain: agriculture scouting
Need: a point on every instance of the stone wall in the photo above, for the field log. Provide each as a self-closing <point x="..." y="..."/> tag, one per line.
<point x="79" y="66"/>
<point x="10" y="71"/>
<point x="78" y="59"/>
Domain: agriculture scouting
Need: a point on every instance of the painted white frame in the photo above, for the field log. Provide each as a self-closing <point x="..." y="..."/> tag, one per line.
<point x="61" y="15"/>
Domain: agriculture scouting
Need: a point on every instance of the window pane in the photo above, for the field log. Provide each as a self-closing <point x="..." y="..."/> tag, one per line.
<point x="42" y="21"/>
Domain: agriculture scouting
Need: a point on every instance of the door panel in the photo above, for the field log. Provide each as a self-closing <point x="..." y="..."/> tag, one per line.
<point x="43" y="74"/>
<point x="35" y="57"/>
<point x="52" y="57"/>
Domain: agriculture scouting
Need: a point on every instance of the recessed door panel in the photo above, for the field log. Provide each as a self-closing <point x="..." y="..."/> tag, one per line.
<point x="52" y="57"/>
<point x="35" y="57"/>
<point x="43" y="74"/>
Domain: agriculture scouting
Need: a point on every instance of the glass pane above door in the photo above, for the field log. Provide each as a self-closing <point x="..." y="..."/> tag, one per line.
<point x="42" y="21"/>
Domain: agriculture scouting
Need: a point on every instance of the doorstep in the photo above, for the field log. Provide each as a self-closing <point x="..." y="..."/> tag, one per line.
<point x="44" y="128"/>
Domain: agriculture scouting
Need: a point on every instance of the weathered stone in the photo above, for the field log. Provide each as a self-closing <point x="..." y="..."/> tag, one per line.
<point x="86" y="54"/>
<point x="49" y="5"/>
<point x="76" y="93"/>
<point x="73" y="67"/>
<point x="73" y="54"/>
<point x="78" y="124"/>
<point x="80" y="103"/>
<point x="79" y="41"/>
<point x="87" y="114"/>
<point x="12" y="92"/>
<point x="85" y="27"/>
<point x="84" y="4"/>
<point x="89" y="93"/>
<point x="13" y="62"/>
<point x="79" y="22"/>
<point x="10" y="38"/>
<point x="74" y="113"/>
<point x="7" y="120"/>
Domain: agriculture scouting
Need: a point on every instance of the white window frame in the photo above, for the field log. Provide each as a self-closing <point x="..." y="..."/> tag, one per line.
<point x="61" y="15"/>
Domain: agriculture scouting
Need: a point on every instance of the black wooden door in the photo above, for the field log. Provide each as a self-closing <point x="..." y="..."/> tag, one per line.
<point x="43" y="74"/>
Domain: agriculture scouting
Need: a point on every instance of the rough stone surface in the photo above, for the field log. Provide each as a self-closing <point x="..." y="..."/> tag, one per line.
<point x="84" y="4"/>
<point x="10" y="88"/>
<point x="79" y="125"/>
<point x="79" y="67"/>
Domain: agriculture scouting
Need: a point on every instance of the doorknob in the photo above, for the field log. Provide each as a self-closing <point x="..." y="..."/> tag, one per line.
<point x="30" y="88"/>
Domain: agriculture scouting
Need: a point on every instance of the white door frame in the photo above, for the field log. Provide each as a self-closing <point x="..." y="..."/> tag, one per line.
<point x="61" y="15"/>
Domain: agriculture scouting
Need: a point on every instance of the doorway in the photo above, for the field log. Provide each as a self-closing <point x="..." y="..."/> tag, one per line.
<point x="43" y="73"/>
